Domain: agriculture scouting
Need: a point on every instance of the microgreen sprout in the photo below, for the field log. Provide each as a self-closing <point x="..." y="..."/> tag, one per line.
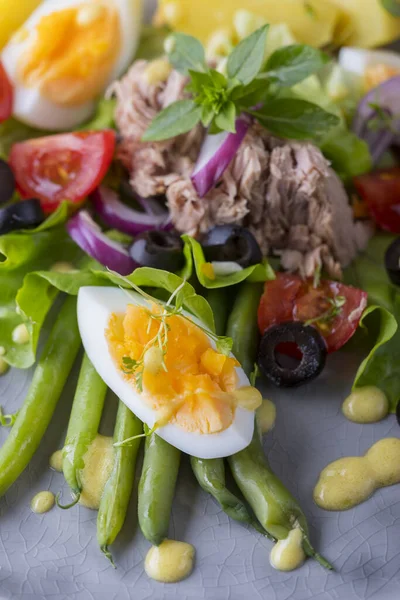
<point x="335" y="308"/>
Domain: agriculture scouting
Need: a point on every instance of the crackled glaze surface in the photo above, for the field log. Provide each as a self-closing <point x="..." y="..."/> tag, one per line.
<point x="55" y="555"/>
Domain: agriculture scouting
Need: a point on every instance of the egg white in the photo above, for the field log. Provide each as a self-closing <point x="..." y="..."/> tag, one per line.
<point x="30" y="106"/>
<point x="355" y="61"/>
<point x="95" y="305"/>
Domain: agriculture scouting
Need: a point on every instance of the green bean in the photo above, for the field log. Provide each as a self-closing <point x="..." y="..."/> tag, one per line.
<point x="48" y="381"/>
<point x="83" y="424"/>
<point x="218" y="300"/>
<point x="210" y="474"/>
<point x="242" y="325"/>
<point x="118" y="489"/>
<point x="157" y="488"/>
<point x="274" y="506"/>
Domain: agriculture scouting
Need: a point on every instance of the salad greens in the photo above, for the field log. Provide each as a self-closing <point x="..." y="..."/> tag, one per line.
<point x="219" y="98"/>
<point x="23" y="253"/>
<point x="256" y="273"/>
<point x="392" y="6"/>
<point x="382" y="365"/>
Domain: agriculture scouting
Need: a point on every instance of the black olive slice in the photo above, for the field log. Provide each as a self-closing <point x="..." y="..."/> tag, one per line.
<point x="392" y="261"/>
<point x="231" y="243"/>
<point x="398" y="412"/>
<point x="311" y="345"/>
<point x="158" y="249"/>
<point x="24" y="214"/>
<point x="7" y="182"/>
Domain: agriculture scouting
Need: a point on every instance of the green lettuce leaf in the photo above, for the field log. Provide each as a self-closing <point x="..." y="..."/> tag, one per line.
<point x="255" y="273"/>
<point x="381" y="367"/>
<point x="21" y="254"/>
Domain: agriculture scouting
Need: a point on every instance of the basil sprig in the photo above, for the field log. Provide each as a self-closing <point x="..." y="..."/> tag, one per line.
<point x="250" y="85"/>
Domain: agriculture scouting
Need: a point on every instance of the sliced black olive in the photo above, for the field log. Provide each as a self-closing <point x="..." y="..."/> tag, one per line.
<point x="158" y="249"/>
<point x="398" y="412"/>
<point x="25" y="214"/>
<point x="231" y="243"/>
<point x="7" y="182"/>
<point x="392" y="261"/>
<point x="311" y="345"/>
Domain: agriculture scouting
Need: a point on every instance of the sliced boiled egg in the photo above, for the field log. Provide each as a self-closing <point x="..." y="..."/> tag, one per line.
<point x="66" y="54"/>
<point x="367" y="69"/>
<point x="199" y="400"/>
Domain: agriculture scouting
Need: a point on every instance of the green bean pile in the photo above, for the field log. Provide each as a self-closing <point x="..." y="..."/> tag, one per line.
<point x="261" y="500"/>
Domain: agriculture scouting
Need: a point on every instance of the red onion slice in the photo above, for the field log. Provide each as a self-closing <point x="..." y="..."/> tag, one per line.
<point x="387" y="96"/>
<point x="216" y="153"/>
<point x="119" y="216"/>
<point x="89" y="237"/>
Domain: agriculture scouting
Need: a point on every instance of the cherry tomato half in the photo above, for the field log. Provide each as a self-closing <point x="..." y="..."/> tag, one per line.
<point x="67" y="166"/>
<point x="381" y="194"/>
<point x="333" y="308"/>
<point x="6" y="95"/>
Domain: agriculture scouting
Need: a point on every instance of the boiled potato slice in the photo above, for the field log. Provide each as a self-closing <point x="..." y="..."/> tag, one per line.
<point x="371" y="24"/>
<point x="311" y="21"/>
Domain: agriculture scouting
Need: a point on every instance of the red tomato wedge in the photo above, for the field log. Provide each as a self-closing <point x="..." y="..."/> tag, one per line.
<point x="381" y="194"/>
<point x="67" y="166"/>
<point x="6" y="95"/>
<point x="290" y="298"/>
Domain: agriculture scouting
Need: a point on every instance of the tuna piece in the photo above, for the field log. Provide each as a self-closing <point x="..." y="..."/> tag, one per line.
<point x="284" y="191"/>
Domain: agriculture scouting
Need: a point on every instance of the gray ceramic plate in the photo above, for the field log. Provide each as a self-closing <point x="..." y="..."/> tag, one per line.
<point x="55" y="556"/>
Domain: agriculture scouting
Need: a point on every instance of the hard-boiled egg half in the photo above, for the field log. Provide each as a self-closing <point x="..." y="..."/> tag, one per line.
<point x="367" y="69"/>
<point x="167" y="370"/>
<point x="66" y="54"/>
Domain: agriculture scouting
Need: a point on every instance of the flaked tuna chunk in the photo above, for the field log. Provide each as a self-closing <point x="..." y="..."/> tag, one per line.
<point x="285" y="192"/>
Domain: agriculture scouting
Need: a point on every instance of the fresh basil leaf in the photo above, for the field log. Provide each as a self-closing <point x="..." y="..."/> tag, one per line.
<point x="246" y="60"/>
<point x="256" y="273"/>
<point x="174" y="120"/>
<point x="219" y="80"/>
<point x="207" y="115"/>
<point x="292" y="64"/>
<point x="250" y="95"/>
<point x="226" y="118"/>
<point x="392" y="7"/>
<point x="199" y="81"/>
<point x="187" y="53"/>
<point x="292" y="118"/>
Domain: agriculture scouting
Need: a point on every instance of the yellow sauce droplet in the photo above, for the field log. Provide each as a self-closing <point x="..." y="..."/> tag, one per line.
<point x="169" y="562"/>
<point x="288" y="554"/>
<point x="56" y="461"/>
<point x="366" y="405"/>
<point x="349" y="481"/>
<point x="20" y="334"/>
<point x="63" y="267"/>
<point x="266" y="415"/>
<point x="248" y="397"/>
<point x="98" y="460"/>
<point x="42" y="502"/>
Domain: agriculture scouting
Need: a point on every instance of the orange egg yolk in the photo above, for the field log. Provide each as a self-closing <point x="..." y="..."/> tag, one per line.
<point x="194" y="387"/>
<point x="72" y="53"/>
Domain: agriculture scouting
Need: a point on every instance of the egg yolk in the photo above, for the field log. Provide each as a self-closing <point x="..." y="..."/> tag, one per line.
<point x="72" y="53"/>
<point x="194" y="385"/>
